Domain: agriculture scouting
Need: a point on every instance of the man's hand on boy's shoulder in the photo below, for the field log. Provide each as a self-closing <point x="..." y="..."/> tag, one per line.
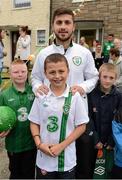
<point x="41" y="90"/>
<point x="79" y="89"/>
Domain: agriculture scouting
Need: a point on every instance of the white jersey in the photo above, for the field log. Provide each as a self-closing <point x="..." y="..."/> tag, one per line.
<point x="81" y="64"/>
<point x="47" y="112"/>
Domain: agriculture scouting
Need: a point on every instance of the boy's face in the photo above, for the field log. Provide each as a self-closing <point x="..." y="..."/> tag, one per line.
<point x="107" y="79"/>
<point x="18" y="73"/>
<point x="63" y="27"/>
<point x="57" y="74"/>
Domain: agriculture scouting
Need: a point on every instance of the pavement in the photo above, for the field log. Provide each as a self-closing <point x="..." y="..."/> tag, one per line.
<point x="4" y="171"/>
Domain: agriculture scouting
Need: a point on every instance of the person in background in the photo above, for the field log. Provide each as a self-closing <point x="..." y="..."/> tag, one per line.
<point x="2" y="52"/>
<point x="93" y="48"/>
<point x="107" y="46"/>
<point x="118" y="45"/>
<point x="98" y="56"/>
<point x="23" y="44"/>
<point x="117" y="136"/>
<point x="82" y="72"/>
<point x="103" y="102"/>
<point x="116" y="59"/>
<point x="55" y="132"/>
<point x="83" y="42"/>
<point x="19" y="143"/>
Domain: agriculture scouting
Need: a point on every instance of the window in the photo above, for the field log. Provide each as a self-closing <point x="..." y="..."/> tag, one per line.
<point x="41" y="37"/>
<point x="21" y="3"/>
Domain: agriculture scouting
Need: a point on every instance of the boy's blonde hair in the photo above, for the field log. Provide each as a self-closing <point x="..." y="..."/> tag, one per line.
<point x="108" y="67"/>
<point x="17" y="61"/>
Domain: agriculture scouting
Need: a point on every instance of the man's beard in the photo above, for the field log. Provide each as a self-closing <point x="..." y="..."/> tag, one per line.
<point x="63" y="39"/>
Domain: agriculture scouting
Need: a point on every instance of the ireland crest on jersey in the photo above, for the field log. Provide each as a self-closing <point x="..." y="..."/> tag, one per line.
<point x="77" y="60"/>
<point x="66" y="108"/>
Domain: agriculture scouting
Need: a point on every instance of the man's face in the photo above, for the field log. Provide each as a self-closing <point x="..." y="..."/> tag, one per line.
<point x="18" y="73"/>
<point x="110" y="38"/>
<point x="107" y="79"/>
<point x="63" y="27"/>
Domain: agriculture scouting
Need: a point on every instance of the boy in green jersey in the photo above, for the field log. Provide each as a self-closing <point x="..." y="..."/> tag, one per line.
<point x="57" y="120"/>
<point x="19" y="142"/>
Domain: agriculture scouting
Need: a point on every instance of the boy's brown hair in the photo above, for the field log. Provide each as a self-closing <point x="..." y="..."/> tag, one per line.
<point x="109" y="67"/>
<point x="55" y="58"/>
<point x="62" y="11"/>
<point x="114" y="51"/>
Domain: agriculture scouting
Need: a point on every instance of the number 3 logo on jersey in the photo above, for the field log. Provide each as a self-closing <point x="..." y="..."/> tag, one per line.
<point x="52" y="125"/>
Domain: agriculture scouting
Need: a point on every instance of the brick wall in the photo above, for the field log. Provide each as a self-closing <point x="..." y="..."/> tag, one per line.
<point x="109" y="11"/>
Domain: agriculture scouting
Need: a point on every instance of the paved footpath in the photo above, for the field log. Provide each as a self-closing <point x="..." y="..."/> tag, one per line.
<point x="4" y="172"/>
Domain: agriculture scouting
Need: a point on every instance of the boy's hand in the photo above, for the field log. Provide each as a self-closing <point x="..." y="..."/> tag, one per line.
<point x="45" y="148"/>
<point x="56" y="149"/>
<point x="4" y="133"/>
<point x="79" y="89"/>
<point x="43" y="89"/>
<point x="99" y="145"/>
<point x="109" y="147"/>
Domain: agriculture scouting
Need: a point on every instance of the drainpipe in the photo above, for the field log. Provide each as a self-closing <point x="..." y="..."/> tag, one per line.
<point x="50" y="23"/>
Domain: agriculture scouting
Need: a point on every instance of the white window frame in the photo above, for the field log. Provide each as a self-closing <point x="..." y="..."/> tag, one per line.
<point x="77" y="1"/>
<point x="21" y="7"/>
<point x="43" y="37"/>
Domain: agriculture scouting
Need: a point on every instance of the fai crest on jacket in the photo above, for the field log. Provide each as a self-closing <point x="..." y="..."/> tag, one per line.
<point x="77" y="60"/>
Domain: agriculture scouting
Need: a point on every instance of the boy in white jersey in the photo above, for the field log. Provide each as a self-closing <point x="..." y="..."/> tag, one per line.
<point x="56" y="123"/>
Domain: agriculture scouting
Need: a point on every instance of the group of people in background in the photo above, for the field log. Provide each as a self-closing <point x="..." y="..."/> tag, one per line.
<point x="111" y="52"/>
<point x="72" y="115"/>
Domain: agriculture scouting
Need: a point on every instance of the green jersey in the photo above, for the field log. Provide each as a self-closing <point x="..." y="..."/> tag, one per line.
<point x="20" y="138"/>
<point x="106" y="48"/>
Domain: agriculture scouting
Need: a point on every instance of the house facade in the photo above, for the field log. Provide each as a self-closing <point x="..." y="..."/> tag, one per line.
<point x="96" y="19"/>
<point x="32" y="13"/>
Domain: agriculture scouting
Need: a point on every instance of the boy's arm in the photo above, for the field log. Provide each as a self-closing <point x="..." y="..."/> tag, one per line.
<point x="35" y="130"/>
<point x="58" y="148"/>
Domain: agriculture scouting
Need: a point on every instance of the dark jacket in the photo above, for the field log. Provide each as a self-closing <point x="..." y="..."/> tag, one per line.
<point x="101" y="112"/>
<point x="98" y="61"/>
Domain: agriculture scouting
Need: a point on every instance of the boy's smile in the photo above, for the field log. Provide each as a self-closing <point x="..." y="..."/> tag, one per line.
<point x="57" y="74"/>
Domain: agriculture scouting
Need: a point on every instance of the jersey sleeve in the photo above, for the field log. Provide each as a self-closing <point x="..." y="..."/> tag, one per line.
<point x="90" y="74"/>
<point x="81" y="113"/>
<point x="34" y="115"/>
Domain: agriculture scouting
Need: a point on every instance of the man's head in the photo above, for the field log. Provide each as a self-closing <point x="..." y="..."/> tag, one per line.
<point x="107" y="76"/>
<point x="56" y="69"/>
<point x="63" y="24"/>
<point x="110" y="37"/>
<point x="82" y="40"/>
<point x="117" y="43"/>
<point x="18" y="72"/>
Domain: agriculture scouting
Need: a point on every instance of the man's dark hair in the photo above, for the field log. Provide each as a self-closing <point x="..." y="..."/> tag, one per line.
<point x="111" y="35"/>
<point x="62" y="11"/>
<point x="55" y="58"/>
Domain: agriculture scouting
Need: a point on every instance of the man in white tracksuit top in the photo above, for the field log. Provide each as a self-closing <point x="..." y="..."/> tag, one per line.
<point x="82" y="76"/>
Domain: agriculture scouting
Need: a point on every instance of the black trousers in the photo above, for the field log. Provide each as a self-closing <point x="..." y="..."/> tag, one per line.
<point x="85" y="157"/>
<point x="22" y="165"/>
<point x="41" y="174"/>
<point x="116" y="172"/>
